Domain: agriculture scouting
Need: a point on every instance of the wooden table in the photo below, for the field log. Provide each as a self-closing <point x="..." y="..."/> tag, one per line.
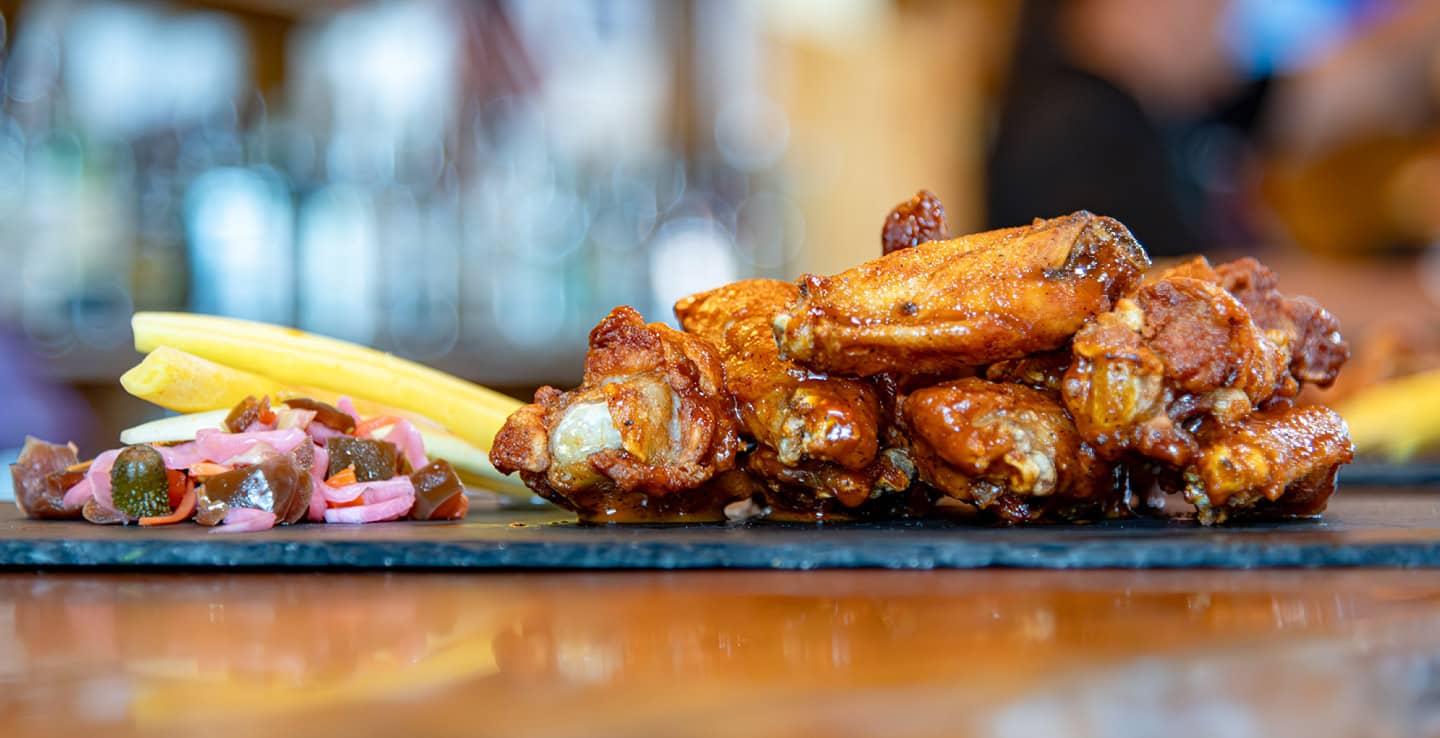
<point x="997" y="653"/>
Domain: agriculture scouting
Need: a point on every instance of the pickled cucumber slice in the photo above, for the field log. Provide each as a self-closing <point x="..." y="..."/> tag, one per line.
<point x="139" y="484"/>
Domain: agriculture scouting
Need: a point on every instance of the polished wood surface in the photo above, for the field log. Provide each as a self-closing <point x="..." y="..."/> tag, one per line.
<point x="1338" y="652"/>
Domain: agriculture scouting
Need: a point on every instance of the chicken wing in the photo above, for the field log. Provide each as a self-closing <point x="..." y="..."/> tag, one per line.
<point x="1007" y="448"/>
<point x="1182" y="348"/>
<point x="816" y="490"/>
<point x="818" y="437"/>
<point x="1280" y="461"/>
<point x="799" y="414"/>
<point x="641" y="436"/>
<point x="1044" y="370"/>
<point x="1308" y="333"/>
<point x="947" y="305"/>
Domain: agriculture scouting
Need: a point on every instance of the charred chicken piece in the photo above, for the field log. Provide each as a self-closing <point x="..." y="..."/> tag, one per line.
<point x="1280" y="461"/>
<point x="920" y="219"/>
<point x="974" y="300"/>
<point x="1307" y="333"/>
<point x="1005" y="448"/>
<point x="1180" y="350"/>
<point x="648" y="426"/>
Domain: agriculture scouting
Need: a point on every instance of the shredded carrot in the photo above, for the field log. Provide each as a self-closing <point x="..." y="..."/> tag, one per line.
<point x="80" y="467"/>
<point x="370" y="425"/>
<point x="343" y="477"/>
<point x="207" y="469"/>
<point x="181" y="512"/>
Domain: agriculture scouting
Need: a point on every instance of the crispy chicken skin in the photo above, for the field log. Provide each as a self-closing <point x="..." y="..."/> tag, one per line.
<point x="1308" y="333"/>
<point x="818" y="438"/>
<point x="920" y="219"/>
<point x="1004" y="447"/>
<point x="1182" y="348"/>
<point x="641" y="436"/>
<point x="948" y="305"/>
<point x="817" y="490"/>
<point x="797" y="413"/>
<point x="1279" y="461"/>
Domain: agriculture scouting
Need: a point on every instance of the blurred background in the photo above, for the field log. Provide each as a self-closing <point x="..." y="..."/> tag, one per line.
<point x="474" y="184"/>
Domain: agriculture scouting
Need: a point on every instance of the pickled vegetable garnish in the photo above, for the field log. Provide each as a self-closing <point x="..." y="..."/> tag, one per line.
<point x="139" y="485"/>
<point x="41" y="475"/>
<point x="325" y="414"/>
<point x="101" y="515"/>
<point x="373" y="460"/>
<point x="280" y="484"/>
<point x="439" y="494"/>
<point x="247" y="412"/>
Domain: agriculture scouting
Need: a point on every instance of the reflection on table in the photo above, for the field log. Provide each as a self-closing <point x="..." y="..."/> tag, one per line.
<point x="982" y="653"/>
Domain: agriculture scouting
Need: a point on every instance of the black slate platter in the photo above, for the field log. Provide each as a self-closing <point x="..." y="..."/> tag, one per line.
<point x="1364" y="527"/>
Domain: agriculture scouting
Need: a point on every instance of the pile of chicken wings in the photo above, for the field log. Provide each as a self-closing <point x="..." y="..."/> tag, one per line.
<point x="1037" y="373"/>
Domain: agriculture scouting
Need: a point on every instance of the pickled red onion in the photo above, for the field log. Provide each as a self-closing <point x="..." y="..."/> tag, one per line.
<point x="407" y="441"/>
<point x="218" y="446"/>
<point x="318" y="469"/>
<point x="345" y="405"/>
<point x="245" y="520"/>
<point x="371" y="492"/>
<point x="391" y="509"/>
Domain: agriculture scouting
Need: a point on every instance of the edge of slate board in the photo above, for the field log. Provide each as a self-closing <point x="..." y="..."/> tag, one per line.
<point x="327" y="555"/>
<point x="1367" y="527"/>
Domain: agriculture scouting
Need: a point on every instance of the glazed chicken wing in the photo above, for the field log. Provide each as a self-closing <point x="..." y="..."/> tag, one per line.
<point x="1306" y="332"/>
<point x="1277" y="461"/>
<point x="799" y="414"/>
<point x="1007" y="448"/>
<point x="947" y="305"/>
<point x="1044" y="370"/>
<point x="1182" y="348"/>
<point x="818" y="437"/>
<point x="640" y="437"/>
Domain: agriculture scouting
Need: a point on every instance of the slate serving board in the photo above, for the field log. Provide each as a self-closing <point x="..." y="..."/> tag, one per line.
<point x="1365" y="527"/>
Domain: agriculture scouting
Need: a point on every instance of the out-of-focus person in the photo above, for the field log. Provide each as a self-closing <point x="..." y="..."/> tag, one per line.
<point x="1195" y="121"/>
<point x="1103" y="100"/>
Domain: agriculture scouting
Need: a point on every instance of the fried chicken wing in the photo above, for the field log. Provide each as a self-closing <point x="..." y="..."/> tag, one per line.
<point x="1279" y="461"/>
<point x="1308" y="333"/>
<point x="816" y="490"/>
<point x="920" y="219"/>
<point x="1005" y="447"/>
<point x="818" y="437"/>
<point x="947" y="305"/>
<point x="1044" y="370"/>
<point x="641" y="436"/>
<point x="799" y="414"/>
<point x="1182" y="348"/>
